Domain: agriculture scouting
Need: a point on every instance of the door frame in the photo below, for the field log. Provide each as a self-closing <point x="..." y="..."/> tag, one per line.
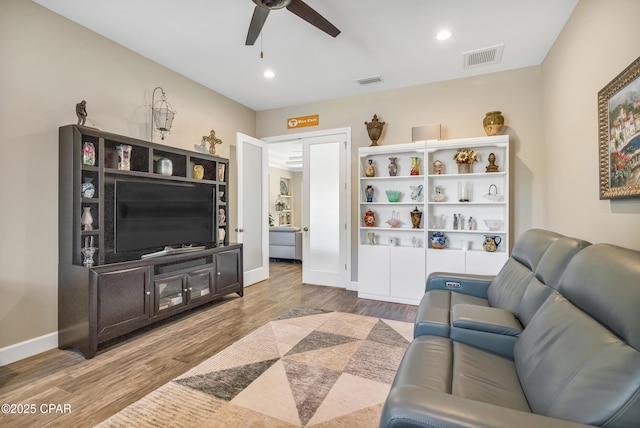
<point x="349" y="285"/>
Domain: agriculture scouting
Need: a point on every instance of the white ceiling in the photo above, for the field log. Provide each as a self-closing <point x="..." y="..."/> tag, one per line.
<point x="204" y="40"/>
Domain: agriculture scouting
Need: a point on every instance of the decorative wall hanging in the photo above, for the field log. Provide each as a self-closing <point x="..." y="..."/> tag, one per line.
<point x="619" y="134"/>
<point x="212" y="140"/>
<point x="162" y="113"/>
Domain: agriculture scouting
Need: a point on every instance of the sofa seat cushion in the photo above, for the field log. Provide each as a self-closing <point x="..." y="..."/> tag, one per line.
<point x="434" y="312"/>
<point x="443" y="365"/>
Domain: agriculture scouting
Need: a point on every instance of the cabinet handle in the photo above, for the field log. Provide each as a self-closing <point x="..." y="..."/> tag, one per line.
<point x="190" y="288"/>
<point x="185" y="290"/>
<point x="219" y="273"/>
<point x="148" y="293"/>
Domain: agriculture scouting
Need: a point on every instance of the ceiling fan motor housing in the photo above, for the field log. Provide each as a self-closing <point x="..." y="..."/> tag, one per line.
<point x="272" y="4"/>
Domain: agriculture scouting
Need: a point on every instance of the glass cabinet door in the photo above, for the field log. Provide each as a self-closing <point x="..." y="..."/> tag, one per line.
<point x="199" y="283"/>
<point x="170" y="292"/>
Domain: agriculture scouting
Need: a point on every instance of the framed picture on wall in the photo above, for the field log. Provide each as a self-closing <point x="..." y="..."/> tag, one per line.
<point x="619" y="134"/>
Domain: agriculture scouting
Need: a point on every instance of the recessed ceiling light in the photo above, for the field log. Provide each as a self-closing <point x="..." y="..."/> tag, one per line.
<point x="443" y="35"/>
<point x="269" y="74"/>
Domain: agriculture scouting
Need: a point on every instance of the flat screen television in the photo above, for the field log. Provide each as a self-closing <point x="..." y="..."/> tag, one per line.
<point x="152" y="215"/>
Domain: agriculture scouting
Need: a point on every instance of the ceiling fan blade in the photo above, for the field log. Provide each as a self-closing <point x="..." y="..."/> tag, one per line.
<point x="257" y="21"/>
<point x="305" y="12"/>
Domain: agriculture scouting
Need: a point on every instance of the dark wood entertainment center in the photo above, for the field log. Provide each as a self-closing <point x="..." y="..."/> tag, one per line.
<point x="123" y="292"/>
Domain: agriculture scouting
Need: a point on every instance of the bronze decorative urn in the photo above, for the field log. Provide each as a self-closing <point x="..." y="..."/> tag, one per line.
<point x="374" y="129"/>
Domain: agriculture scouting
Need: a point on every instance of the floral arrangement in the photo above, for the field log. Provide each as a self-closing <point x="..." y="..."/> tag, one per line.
<point x="620" y="168"/>
<point x="466" y="156"/>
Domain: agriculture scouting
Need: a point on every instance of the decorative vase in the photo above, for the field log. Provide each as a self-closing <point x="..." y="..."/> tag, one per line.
<point x="87" y="219"/>
<point x="394" y="221"/>
<point x="393" y="167"/>
<point x="437" y="167"/>
<point x="416" y="191"/>
<point x="124" y="157"/>
<point x="198" y="172"/>
<point x="221" y="235"/>
<point x="371" y="169"/>
<point x="416" y="217"/>
<point x="438" y="240"/>
<point x="164" y="166"/>
<point x="87" y="188"/>
<point x="369" y="218"/>
<point x="464" y="168"/>
<point x="369" y="193"/>
<point x="415" y="166"/>
<point x="491" y="243"/>
<point x="88" y="154"/>
<point x="493" y="123"/>
<point x="374" y="129"/>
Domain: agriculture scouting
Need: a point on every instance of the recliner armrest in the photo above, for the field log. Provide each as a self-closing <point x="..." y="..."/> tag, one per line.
<point x="473" y="285"/>
<point x="414" y="406"/>
<point x="493" y="329"/>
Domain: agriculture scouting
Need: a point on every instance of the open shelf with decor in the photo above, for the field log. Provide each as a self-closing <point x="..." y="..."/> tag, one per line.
<point x="404" y="215"/>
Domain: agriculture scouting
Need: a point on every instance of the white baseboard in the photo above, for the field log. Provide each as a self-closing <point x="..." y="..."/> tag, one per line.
<point x="12" y="353"/>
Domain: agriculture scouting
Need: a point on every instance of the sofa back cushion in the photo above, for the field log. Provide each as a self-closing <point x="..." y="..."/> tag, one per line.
<point x="571" y="367"/>
<point x="578" y="357"/>
<point x="604" y="281"/>
<point x="510" y="283"/>
<point x="547" y="275"/>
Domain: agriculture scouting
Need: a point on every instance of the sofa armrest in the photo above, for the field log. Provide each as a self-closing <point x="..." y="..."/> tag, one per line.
<point x="413" y="406"/>
<point x="473" y="285"/>
<point x="493" y="329"/>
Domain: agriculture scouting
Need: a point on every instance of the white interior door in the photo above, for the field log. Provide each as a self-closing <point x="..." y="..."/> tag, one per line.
<point x="325" y="209"/>
<point x="253" y="207"/>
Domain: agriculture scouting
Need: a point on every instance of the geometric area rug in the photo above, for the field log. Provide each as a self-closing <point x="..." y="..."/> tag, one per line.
<point x="308" y="368"/>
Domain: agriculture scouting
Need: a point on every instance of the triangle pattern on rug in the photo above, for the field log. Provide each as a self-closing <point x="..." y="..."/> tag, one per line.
<point x="309" y="385"/>
<point x="226" y="384"/>
<point x="319" y="339"/>
<point x="383" y="333"/>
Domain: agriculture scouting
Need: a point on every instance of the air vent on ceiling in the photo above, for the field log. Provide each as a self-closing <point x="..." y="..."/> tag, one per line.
<point x="485" y="56"/>
<point x="369" y="80"/>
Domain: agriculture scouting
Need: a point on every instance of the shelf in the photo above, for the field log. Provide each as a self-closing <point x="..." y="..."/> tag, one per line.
<point x="396" y="177"/>
<point x="393" y="229"/>
<point x="481" y="232"/>
<point x="469" y="175"/>
<point x="90" y="200"/>
<point x="466" y="203"/>
<point x="393" y="203"/>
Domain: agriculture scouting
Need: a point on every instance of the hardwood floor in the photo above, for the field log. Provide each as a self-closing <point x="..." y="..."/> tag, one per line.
<point x="130" y="368"/>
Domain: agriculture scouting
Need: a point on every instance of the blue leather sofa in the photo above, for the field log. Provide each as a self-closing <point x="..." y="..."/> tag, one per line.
<point x="553" y="341"/>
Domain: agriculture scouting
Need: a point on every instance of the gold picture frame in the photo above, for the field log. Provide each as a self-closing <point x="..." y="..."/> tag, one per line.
<point x="619" y="134"/>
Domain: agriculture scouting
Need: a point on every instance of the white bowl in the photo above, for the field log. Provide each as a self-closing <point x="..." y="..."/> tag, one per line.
<point x="493" y="224"/>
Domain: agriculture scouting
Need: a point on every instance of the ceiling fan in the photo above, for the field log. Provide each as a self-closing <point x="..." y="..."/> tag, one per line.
<point x="298" y="7"/>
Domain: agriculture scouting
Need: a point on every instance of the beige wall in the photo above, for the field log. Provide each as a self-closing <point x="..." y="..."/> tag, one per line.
<point x="459" y="105"/>
<point x="599" y="41"/>
<point x="49" y="64"/>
